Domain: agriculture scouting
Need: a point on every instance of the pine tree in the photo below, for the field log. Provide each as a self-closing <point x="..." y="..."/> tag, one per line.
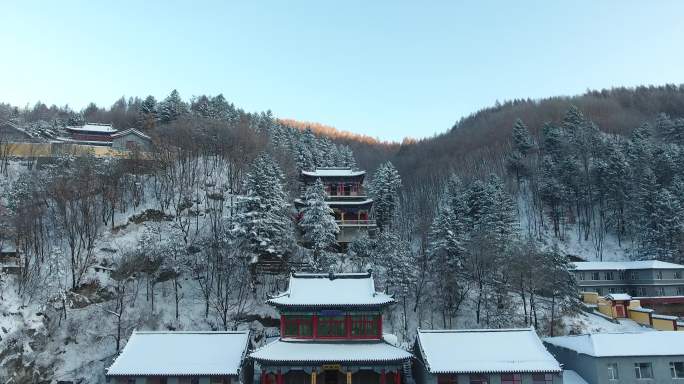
<point x="384" y="188"/>
<point x="318" y="224"/>
<point x="446" y="251"/>
<point x="661" y="228"/>
<point x="360" y="252"/>
<point x="220" y="108"/>
<point x="147" y="115"/>
<point x="263" y="219"/>
<point x="616" y="180"/>
<point x="559" y="285"/>
<point x="347" y="157"/>
<point x="522" y="140"/>
<point x="172" y="107"/>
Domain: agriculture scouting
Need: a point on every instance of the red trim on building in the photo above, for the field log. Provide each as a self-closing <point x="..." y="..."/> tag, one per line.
<point x="645" y="301"/>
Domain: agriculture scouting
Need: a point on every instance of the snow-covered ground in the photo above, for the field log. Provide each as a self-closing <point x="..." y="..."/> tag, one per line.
<point x="591" y="323"/>
<point x="83" y="344"/>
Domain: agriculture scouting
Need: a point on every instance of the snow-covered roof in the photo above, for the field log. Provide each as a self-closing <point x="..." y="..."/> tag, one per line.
<point x="331" y="289"/>
<point x="624" y="265"/>
<point x="131" y="131"/>
<point x="333" y="172"/>
<point x="334" y="351"/>
<point x="485" y="351"/>
<point x="181" y="354"/>
<point x="349" y="202"/>
<point x="571" y="377"/>
<point x="661" y="343"/>
<point x="94" y="127"/>
<point x="8" y="248"/>
<point x="619" y="296"/>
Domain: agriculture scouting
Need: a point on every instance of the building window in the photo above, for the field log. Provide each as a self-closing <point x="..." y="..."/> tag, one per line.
<point x="331" y="326"/>
<point x="660" y="291"/>
<point x="680" y="291"/>
<point x="643" y="370"/>
<point x="613" y="371"/>
<point x="608" y="275"/>
<point x="678" y="274"/>
<point x="621" y="275"/>
<point x="595" y="276"/>
<point x="511" y="378"/>
<point x="641" y="291"/>
<point x="677" y="369"/>
<point x="447" y="379"/>
<point x="612" y="290"/>
<point x="634" y="275"/>
<point x="365" y="326"/>
<point x="659" y="275"/>
<point x="297" y="326"/>
<point x="479" y="379"/>
<point x="599" y="291"/>
<point x="581" y="276"/>
<point x="542" y="378"/>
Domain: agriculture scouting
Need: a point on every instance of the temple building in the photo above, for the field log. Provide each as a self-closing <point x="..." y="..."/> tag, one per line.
<point x="182" y="358"/>
<point x="331" y="333"/>
<point x="92" y="133"/>
<point x="484" y="356"/>
<point x="347" y="198"/>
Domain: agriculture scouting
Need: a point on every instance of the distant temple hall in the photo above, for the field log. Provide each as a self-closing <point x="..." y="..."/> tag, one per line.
<point x="346" y="196"/>
<point x="331" y="332"/>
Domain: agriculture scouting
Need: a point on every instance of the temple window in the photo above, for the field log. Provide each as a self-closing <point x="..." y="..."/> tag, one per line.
<point x="297" y="326"/>
<point x="331" y="326"/>
<point x="365" y="326"/>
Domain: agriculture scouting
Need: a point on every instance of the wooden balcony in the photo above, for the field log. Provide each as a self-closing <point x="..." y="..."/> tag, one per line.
<point x="356" y="223"/>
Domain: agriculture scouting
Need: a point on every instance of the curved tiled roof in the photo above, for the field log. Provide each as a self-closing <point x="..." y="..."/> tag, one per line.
<point x="321" y="290"/>
<point x="334" y="351"/>
<point x="181" y="354"/>
<point x="485" y="351"/>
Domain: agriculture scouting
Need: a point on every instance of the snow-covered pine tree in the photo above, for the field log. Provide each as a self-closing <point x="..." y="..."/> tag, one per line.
<point x="347" y="157"/>
<point x="263" y="218"/>
<point x="670" y="130"/>
<point x="220" y="108"/>
<point x="398" y="268"/>
<point x="200" y="106"/>
<point x="446" y="252"/>
<point x="172" y="107"/>
<point x="559" y="285"/>
<point x="318" y="225"/>
<point x="384" y="189"/>
<point x="360" y="252"/>
<point x="661" y="230"/>
<point x="617" y="198"/>
<point x="147" y="115"/>
<point x="522" y="140"/>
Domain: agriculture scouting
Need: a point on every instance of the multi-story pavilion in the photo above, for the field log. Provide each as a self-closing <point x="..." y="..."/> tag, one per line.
<point x="331" y="333"/>
<point x="346" y="196"/>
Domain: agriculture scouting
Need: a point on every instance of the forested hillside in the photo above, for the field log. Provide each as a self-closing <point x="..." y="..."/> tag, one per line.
<point x="474" y="225"/>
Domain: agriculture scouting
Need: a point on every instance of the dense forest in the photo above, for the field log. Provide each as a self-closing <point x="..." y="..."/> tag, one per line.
<point x="469" y="221"/>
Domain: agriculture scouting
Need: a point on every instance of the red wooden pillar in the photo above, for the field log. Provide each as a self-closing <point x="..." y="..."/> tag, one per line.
<point x="380" y="325"/>
<point x="279" y="379"/>
<point x="282" y="325"/>
<point x="347" y="326"/>
<point x="382" y="377"/>
<point x="315" y="326"/>
<point x="397" y="377"/>
<point x="263" y="378"/>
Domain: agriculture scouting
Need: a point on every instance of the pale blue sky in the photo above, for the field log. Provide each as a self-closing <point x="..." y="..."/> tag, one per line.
<point x="388" y="69"/>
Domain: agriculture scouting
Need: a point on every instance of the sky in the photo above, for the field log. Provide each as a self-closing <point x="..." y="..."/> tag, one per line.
<point x="388" y="69"/>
